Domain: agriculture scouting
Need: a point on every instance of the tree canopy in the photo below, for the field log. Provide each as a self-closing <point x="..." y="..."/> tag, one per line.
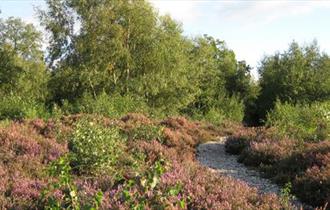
<point x="102" y="50"/>
<point x="126" y="47"/>
<point x="22" y="68"/>
<point x="298" y="75"/>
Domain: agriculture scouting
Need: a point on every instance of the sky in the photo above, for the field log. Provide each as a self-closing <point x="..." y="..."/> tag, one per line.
<point x="252" y="28"/>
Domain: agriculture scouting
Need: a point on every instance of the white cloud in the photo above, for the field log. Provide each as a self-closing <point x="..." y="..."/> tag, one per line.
<point x="241" y="22"/>
<point x="264" y="12"/>
<point x="244" y="12"/>
<point x="184" y="11"/>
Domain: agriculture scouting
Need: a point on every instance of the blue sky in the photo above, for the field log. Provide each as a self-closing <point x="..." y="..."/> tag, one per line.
<point x="251" y="28"/>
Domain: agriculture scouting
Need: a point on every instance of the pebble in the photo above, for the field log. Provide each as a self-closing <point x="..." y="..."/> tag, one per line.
<point x="213" y="155"/>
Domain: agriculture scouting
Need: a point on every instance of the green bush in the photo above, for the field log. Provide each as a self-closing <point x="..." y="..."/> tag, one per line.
<point x="110" y="106"/>
<point x="214" y="115"/>
<point x="232" y="108"/>
<point x="94" y="148"/>
<point x="16" y="107"/>
<point x="305" y="122"/>
<point x="65" y="185"/>
<point x="225" y="109"/>
<point x="228" y="108"/>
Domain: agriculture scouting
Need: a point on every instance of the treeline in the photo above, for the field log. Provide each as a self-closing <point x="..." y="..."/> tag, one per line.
<point x="112" y="57"/>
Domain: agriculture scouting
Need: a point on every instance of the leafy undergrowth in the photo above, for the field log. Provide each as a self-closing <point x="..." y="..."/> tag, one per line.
<point x="90" y="162"/>
<point x="306" y="165"/>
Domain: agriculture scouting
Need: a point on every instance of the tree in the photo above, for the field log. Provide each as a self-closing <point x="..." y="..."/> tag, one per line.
<point x="219" y="76"/>
<point x="206" y="59"/>
<point x="121" y="47"/>
<point x="24" y="39"/>
<point x="241" y="84"/>
<point x="22" y="69"/>
<point x="298" y="75"/>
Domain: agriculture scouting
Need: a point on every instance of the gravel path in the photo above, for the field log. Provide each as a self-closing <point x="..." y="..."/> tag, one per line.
<point x="213" y="155"/>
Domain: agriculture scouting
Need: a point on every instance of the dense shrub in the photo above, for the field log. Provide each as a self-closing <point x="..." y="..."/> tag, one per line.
<point x="305" y="165"/>
<point x="225" y="109"/>
<point x="94" y="148"/>
<point x="24" y="156"/>
<point x="240" y="137"/>
<point x="232" y="108"/>
<point x="298" y="75"/>
<point x="181" y="132"/>
<point x="16" y="107"/>
<point x="184" y="184"/>
<point x="309" y="170"/>
<point x="62" y="192"/>
<point x="136" y="119"/>
<point x="143" y="174"/>
<point x="305" y="122"/>
<point x="214" y="115"/>
<point x="266" y="152"/>
<point x="314" y="186"/>
<point x="109" y="105"/>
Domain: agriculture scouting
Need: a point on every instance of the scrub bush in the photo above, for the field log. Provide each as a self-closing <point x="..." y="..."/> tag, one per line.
<point x="16" y="108"/>
<point x="110" y="105"/>
<point x="94" y="148"/>
<point x="303" y="122"/>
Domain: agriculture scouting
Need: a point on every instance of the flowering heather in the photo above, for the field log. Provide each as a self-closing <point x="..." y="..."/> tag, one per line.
<point x="150" y="174"/>
<point x="3" y="180"/>
<point x="201" y="189"/>
<point x="24" y="156"/>
<point x="180" y="131"/>
<point x="305" y="165"/>
<point x="25" y="188"/>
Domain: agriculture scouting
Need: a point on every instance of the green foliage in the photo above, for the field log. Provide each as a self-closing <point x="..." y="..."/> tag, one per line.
<point x="214" y="115"/>
<point x="110" y="106"/>
<point x="222" y="82"/>
<point x="5" y="123"/>
<point x="304" y="122"/>
<point x="286" y="195"/>
<point x="94" y="148"/>
<point x="231" y="109"/>
<point x="23" y="76"/>
<point x="24" y="38"/>
<point x="151" y="67"/>
<point x="62" y="170"/>
<point x="210" y="60"/>
<point x="22" y="70"/>
<point x="64" y="185"/>
<point x="15" y="107"/>
<point x="148" y="56"/>
<point x="298" y="75"/>
<point x="147" y="182"/>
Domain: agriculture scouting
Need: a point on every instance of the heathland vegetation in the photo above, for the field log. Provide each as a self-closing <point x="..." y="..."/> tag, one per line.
<point x="109" y="115"/>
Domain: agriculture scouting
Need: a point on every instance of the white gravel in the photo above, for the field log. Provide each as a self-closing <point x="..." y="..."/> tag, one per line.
<point x="213" y="155"/>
